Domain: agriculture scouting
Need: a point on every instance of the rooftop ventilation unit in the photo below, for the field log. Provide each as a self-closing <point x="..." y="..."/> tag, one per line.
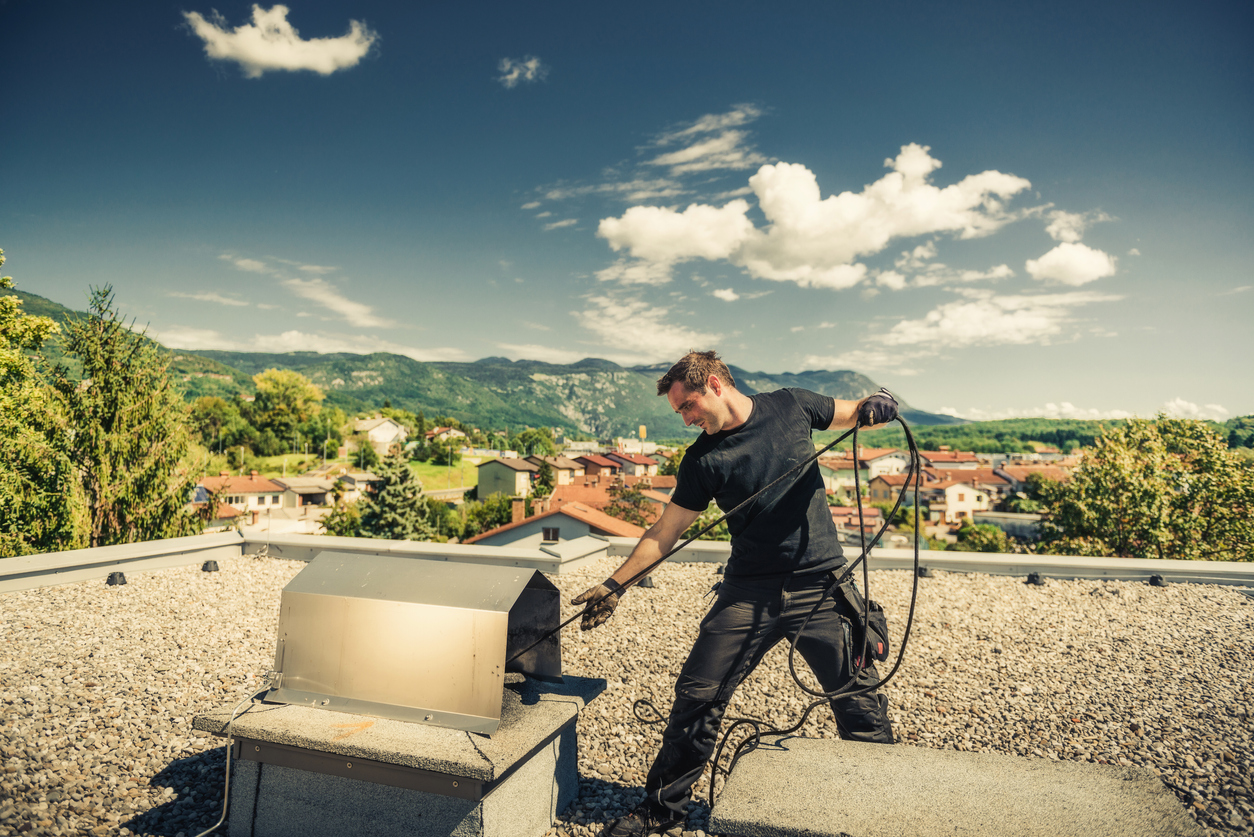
<point x="412" y="639"/>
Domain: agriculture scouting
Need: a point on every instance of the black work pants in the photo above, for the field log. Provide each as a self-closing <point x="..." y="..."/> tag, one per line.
<point x="747" y="620"/>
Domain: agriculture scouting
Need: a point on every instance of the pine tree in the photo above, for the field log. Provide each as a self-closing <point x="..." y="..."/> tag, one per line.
<point x="126" y="429"/>
<point x="397" y="511"/>
<point x="40" y="502"/>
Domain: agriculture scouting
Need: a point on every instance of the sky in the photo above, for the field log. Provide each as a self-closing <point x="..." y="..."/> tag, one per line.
<point x="993" y="209"/>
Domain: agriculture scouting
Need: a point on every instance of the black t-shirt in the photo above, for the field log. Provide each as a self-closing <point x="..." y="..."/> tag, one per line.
<point x="789" y="528"/>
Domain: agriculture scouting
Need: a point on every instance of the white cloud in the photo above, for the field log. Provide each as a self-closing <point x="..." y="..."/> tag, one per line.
<point x="890" y="279"/>
<point x="531" y="205"/>
<point x="917" y="258"/>
<point x="1134" y="252"/>
<point x="1239" y="290"/>
<point x="727" y="150"/>
<point x="1064" y="410"/>
<point x="726" y="294"/>
<point x="535" y="351"/>
<point x="639" y="330"/>
<point x="893" y="361"/>
<point x="713" y="142"/>
<point x="270" y="42"/>
<point x="812" y="241"/>
<point x="566" y="222"/>
<point x="1179" y="408"/>
<point x="329" y="297"/>
<point x="211" y="297"/>
<point x="177" y="337"/>
<point x="306" y="268"/>
<point x="983" y="319"/>
<point x="1070" y="226"/>
<point x="635" y="190"/>
<point x="250" y="265"/>
<point x="528" y="69"/>
<point x="664" y="236"/>
<point x="796" y="329"/>
<point x="1072" y="264"/>
<point x="939" y="274"/>
<point x="627" y="272"/>
<point x="711" y="122"/>
<point x="545" y="214"/>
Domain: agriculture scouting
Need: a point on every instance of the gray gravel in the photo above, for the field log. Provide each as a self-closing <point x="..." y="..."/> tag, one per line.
<point x="98" y="686"/>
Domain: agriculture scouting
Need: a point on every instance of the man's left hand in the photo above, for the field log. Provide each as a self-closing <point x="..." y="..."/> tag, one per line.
<point x="880" y="408"/>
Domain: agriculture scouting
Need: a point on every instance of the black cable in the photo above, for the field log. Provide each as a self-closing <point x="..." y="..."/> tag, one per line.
<point x="593" y="602"/>
<point x="752" y="742"/>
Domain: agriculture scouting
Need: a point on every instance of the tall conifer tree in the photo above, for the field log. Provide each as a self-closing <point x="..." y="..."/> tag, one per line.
<point x="127" y="430"/>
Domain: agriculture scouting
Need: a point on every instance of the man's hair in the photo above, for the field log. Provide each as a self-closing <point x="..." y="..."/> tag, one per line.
<point x="693" y="370"/>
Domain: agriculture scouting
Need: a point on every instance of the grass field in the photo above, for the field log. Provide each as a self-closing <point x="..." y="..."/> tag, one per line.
<point x="435" y="477"/>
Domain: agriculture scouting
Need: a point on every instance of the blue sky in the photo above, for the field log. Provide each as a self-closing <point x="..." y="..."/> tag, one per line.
<point x="995" y="209"/>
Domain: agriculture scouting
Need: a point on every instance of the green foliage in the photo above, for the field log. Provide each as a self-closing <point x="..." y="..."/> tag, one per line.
<point x="1167" y="488"/>
<point x="1006" y="436"/>
<point x="981" y="537"/>
<point x="285" y="400"/>
<point x="628" y="504"/>
<point x="483" y="515"/>
<point x="1240" y="432"/>
<point x="445" y="452"/>
<point x="397" y="511"/>
<point x="127" y="430"/>
<point x="670" y="468"/>
<point x="538" y="441"/>
<point x="365" y="457"/>
<point x="718" y="533"/>
<point x="545" y="479"/>
<point x="445" y="522"/>
<point x="41" y="507"/>
<point x="344" y="520"/>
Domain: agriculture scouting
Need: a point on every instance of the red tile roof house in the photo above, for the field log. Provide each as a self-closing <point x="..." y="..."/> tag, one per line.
<point x="945" y="458"/>
<point x="564" y="470"/>
<point x="244" y="493"/>
<point x="595" y="465"/>
<point x="564" y="523"/>
<point x="634" y="464"/>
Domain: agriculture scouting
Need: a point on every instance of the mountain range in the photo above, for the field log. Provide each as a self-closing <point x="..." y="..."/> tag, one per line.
<point x="594" y="397"/>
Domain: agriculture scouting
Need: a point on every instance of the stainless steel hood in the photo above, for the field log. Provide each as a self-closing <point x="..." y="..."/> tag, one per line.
<point x="412" y="639"/>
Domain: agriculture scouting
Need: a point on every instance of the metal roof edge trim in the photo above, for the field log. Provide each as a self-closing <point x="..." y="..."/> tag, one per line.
<point x="997" y="563"/>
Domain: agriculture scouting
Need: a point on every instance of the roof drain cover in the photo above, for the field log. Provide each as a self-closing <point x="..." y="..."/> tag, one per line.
<point x="412" y="639"/>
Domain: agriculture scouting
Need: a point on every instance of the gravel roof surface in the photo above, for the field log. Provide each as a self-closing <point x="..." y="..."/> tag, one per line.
<point x="98" y="687"/>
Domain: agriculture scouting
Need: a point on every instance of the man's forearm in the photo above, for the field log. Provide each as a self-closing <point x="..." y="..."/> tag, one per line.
<point x="647" y="552"/>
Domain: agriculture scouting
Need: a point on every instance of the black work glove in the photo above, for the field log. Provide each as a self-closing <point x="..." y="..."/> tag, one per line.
<point x="879" y="408"/>
<point x="601" y="599"/>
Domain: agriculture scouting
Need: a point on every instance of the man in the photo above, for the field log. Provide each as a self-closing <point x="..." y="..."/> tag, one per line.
<point x="784" y="552"/>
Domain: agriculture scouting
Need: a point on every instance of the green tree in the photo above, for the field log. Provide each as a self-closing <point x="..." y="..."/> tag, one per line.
<point x="718" y="533"/>
<point x="444" y="452"/>
<point x="981" y="537"/>
<point x="127" y="429"/>
<point x="1167" y="488"/>
<point x="545" y="480"/>
<point x="285" y="400"/>
<point x="628" y="504"/>
<point x="537" y="441"/>
<point x="670" y="467"/>
<point x="483" y="515"/>
<point x="41" y="508"/>
<point x="396" y="511"/>
<point x="365" y="457"/>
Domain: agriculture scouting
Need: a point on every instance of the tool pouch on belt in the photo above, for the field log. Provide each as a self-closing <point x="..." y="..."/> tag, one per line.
<point x="870" y="637"/>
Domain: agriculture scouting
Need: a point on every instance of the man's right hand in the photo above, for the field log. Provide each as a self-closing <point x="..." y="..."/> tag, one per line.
<point x="601" y="600"/>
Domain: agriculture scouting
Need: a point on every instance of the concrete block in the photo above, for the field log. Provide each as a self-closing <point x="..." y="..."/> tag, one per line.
<point x="300" y="779"/>
<point x="804" y="787"/>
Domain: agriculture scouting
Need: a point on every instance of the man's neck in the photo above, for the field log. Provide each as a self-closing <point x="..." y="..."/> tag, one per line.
<point x="741" y="406"/>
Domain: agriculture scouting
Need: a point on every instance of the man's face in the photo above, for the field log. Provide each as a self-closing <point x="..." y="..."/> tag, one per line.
<point x="704" y="409"/>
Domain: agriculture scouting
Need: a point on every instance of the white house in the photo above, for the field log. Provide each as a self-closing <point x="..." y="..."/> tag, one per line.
<point x="382" y="433"/>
